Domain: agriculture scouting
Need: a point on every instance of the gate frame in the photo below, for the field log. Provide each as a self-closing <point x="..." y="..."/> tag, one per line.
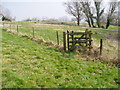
<point x="71" y="35"/>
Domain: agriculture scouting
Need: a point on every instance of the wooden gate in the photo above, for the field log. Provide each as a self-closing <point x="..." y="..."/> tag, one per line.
<point x="73" y="40"/>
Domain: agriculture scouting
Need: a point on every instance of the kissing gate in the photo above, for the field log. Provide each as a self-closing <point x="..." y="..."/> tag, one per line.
<point x="73" y="40"/>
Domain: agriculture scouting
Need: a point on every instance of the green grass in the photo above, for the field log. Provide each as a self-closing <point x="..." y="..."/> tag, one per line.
<point x="47" y="32"/>
<point x="0" y="59"/>
<point x="27" y="64"/>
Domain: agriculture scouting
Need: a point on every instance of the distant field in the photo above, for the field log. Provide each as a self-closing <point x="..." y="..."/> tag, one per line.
<point x="27" y="64"/>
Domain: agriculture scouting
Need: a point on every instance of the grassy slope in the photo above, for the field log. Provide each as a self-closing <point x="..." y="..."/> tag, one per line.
<point x="47" y="32"/>
<point x="27" y="64"/>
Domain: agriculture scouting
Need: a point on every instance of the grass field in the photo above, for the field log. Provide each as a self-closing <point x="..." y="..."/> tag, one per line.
<point x="27" y="64"/>
<point x="47" y="32"/>
<point x="0" y="58"/>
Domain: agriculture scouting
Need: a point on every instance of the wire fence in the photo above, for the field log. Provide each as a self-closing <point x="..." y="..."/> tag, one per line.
<point x="47" y="35"/>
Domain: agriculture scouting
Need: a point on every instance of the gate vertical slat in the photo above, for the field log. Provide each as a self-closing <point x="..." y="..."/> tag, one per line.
<point x="64" y="41"/>
<point x="73" y="47"/>
<point x="86" y="32"/>
<point x="68" y="40"/>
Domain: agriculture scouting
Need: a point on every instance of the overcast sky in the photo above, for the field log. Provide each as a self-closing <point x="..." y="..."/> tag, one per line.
<point x="22" y="9"/>
<point x="29" y="9"/>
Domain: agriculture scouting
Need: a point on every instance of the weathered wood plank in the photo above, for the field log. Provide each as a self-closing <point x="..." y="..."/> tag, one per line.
<point x="64" y="41"/>
<point x="76" y="33"/>
<point x="68" y="40"/>
<point x="80" y="41"/>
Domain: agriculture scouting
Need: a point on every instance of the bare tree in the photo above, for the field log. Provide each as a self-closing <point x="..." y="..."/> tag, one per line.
<point x="111" y="11"/>
<point x="119" y="13"/>
<point x="74" y="9"/>
<point x="4" y="11"/>
<point x="103" y="19"/>
<point x="114" y="19"/>
<point x="99" y="11"/>
<point x="5" y="14"/>
<point x="87" y="12"/>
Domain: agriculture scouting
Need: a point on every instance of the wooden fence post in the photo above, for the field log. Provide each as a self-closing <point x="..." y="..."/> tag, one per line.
<point x="33" y="32"/>
<point x="10" y="26"/>
<point x="3" y="25"/>
<point x="68" y="39"/>
<point x="64" y="41"/>
<point x="101" y="46"/>
<point x="17" y="28"/>
<point x="90" y="40"/>
<point x="57" y="37"/>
